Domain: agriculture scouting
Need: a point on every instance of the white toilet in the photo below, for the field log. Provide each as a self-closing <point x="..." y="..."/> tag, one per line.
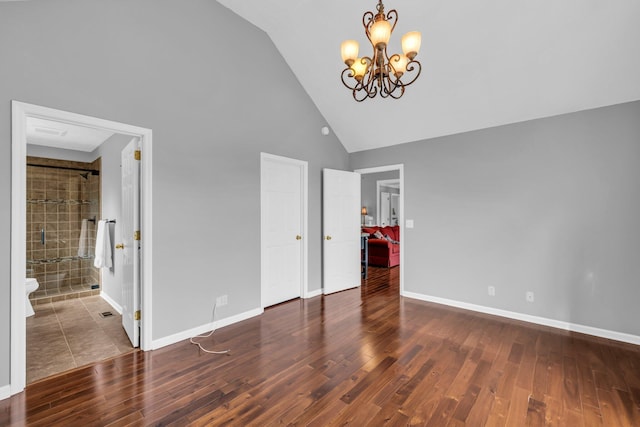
<point x="30" y="285"/>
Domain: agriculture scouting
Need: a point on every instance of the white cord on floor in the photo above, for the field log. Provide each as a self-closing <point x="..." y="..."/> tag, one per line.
<point x="191" y="340"/>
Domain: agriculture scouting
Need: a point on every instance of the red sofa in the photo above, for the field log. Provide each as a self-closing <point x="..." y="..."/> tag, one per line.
<point x="381" y="251"/>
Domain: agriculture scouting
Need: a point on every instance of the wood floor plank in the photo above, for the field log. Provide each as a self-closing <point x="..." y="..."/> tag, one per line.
<point x="483" y="406"/>
<point x="442" y="415"/>
<point x="626" y="407"/>
<point x="609" y="409"/>
<point x="389" y="415"/>
<point x="610" y="359"/>
<point x="466" y="403"/>
<point x="498" y="414"/>
<point x="571" y="419"/>
<point x="540" y="377"/>
<point x="365" y="356"/>
<point x="519" y="404"/>
<point x="507" y="380"/>
<point x="536" y="412"/>
<point x="570" y="391"/>
<point x="587" y="385"/>
<point x="635" y="395"/>
<point x="460" y="385"/>
<point x="554" y="411"/>
<point x="527" y="367"/>
<point x="592" y="416"/>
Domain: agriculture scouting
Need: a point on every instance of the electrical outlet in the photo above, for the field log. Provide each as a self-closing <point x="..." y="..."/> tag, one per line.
<point x="491" y="290"/>
<point x="222" y="300"/>
<point x="530" y="296"/>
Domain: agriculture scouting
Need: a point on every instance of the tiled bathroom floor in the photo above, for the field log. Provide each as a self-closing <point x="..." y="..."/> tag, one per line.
<point x="63" y="335"/>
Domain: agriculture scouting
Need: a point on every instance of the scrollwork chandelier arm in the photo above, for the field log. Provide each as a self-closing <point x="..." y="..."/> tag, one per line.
<point x="388" y="76"/>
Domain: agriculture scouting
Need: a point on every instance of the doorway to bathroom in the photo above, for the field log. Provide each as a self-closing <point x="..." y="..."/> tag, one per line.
<point x="71" y="324"/>
<point x="63" y="203"/>
<point x="69" y="287"/>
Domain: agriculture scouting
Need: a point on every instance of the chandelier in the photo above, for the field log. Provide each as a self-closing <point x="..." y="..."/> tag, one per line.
<point x="383" y="74"/>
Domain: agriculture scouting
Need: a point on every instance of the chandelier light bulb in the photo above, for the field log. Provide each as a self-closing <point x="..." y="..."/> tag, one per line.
<point x="349" y="50"/>
<point x="411" y="43"/>
<point x="380" y="33"/>
<point x="359" y="68"/>
<point x="399" y="64"/>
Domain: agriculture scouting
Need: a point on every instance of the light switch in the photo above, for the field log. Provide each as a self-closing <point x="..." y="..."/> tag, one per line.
<point x="408" y="223"/>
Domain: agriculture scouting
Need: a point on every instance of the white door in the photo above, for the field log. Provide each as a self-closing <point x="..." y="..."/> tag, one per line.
<point x="341" y="228"/>
<point x="395" y="209"/>
<point x="130" y="226"/>
<point x="385" y="204"/>
<point x="283" y="213"/>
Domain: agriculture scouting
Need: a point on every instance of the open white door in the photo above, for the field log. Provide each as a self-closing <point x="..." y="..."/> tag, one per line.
<point x="130" y="223"/>
<point x="341" y="228"/>
<point x="385" y="209"/>
<point x="283" y="213"/>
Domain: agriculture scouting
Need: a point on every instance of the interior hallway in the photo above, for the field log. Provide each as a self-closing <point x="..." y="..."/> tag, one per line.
<point x="66" y="334"/>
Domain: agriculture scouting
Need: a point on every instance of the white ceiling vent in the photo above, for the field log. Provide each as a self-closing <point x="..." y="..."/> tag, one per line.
<point x="50" y="131"/>
<point x="64" y="135"/>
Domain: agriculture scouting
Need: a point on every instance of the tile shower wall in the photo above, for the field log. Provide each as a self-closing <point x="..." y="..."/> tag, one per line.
<point x="57" y="201"/>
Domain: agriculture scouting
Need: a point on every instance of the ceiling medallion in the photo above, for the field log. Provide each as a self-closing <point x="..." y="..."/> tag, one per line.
<point x="383" y="74"/>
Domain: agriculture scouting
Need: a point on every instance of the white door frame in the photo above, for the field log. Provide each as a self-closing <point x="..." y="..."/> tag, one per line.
<point x="304" y="212"/>
<point x="400" y="169"/>
<point x="20" y="111"/>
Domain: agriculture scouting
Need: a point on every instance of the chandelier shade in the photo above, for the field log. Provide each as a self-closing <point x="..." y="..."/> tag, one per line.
<point x="380" y="33"/>
<point x="411" y="44"/>
<point x="359" y="68"/>
<point x="380" y="74"/>
<point x="399" y="64"/>
<point x="349" y="50"/>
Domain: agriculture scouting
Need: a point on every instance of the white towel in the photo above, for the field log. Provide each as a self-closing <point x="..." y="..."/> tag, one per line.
<point x="82" y="244"/>
<point x="103" y="246"/>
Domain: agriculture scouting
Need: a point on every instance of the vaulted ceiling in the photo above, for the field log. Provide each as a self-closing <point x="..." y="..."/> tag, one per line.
<point x="484" y="63"/>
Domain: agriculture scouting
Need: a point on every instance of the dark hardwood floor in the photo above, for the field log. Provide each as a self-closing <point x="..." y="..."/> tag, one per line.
<point x="359" y="357"/>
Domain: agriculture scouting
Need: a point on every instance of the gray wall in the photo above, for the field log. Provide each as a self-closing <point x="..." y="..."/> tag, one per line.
<point x="550" y="206"/>
<point x="368" y="188"/>
<point x="111" y="191"/>
<point x="169" y="65"/>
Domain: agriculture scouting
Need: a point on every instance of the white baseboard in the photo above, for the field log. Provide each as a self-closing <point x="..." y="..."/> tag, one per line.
<point x="111" y="302"/>
<point x="199" y="330"/>
<point x="312" y="294"/>
<point x="5" y="392"/>
<point x="568" y="326"/>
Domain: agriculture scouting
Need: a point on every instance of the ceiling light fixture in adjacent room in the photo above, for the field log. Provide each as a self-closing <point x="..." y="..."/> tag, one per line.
<point x="384" y="74"/>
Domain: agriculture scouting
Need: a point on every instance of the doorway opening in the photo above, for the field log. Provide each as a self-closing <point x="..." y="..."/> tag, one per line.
<point x="382" y="197"/>
<point x="22" y="113"/>
<point x="65" y="193"/>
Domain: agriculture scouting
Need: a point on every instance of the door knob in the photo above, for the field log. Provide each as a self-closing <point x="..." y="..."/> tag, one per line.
<point x="120" y="246"/>
<point x="328" y="237"/>
<point x="298" y="237"/>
